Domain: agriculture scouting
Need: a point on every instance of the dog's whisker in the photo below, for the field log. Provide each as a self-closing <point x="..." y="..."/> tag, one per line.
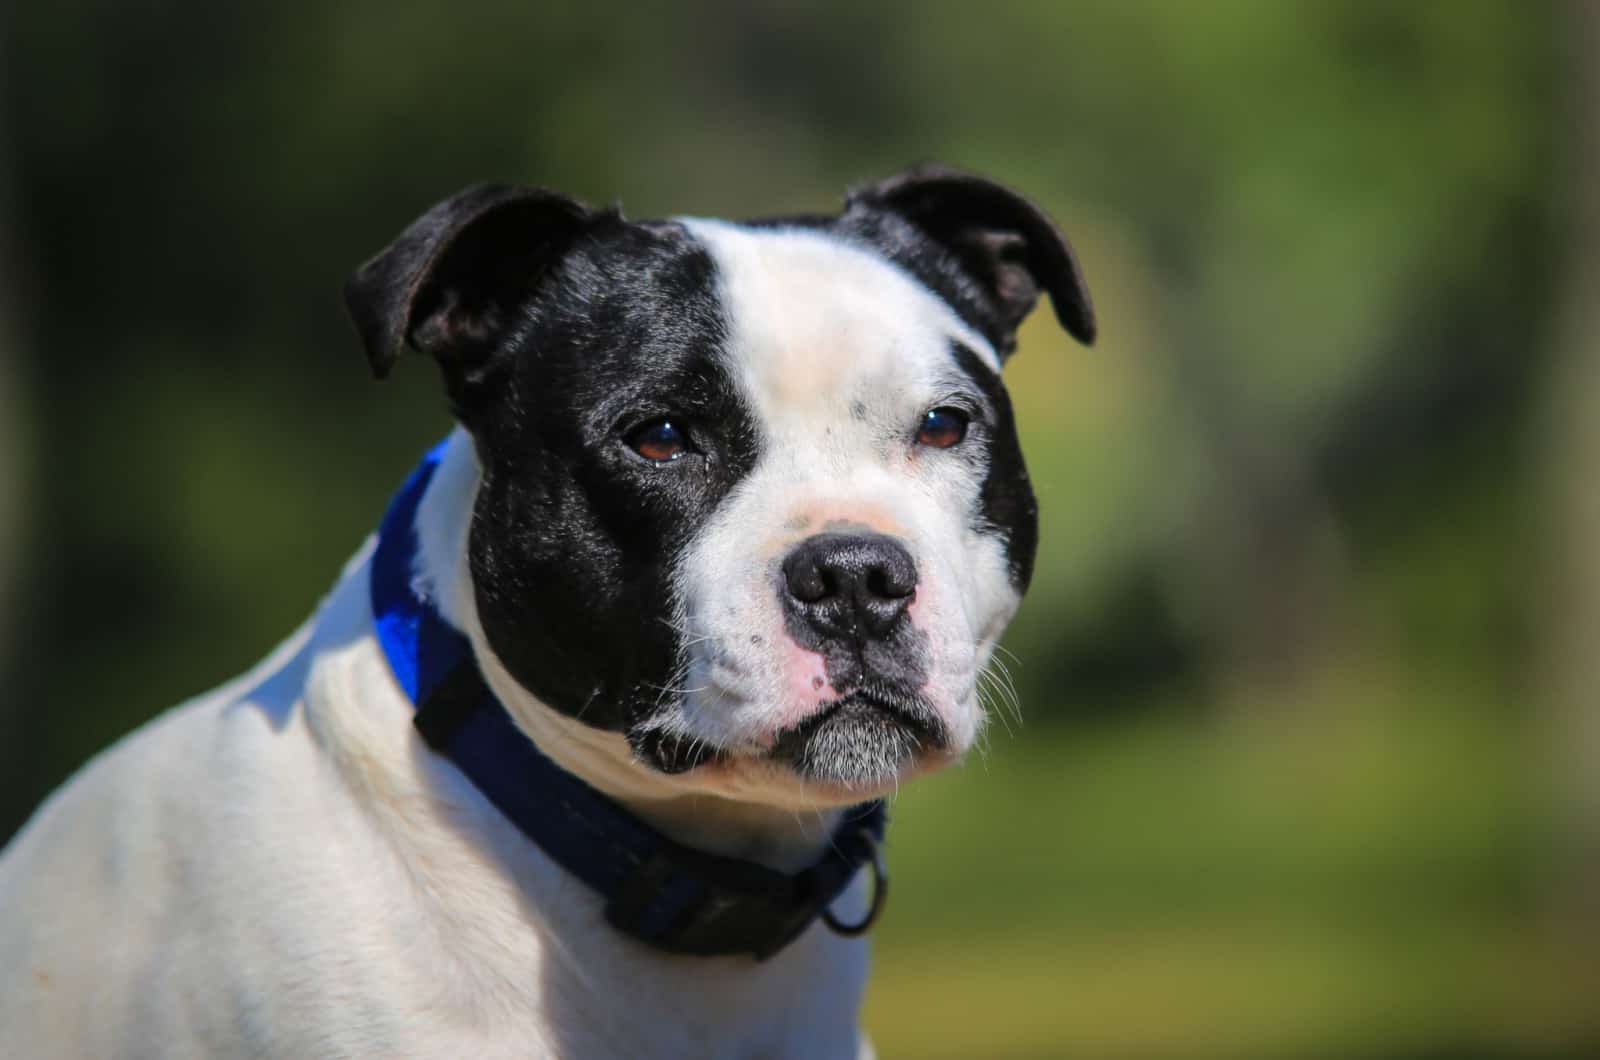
<point x="673" y="690"/>
<point x="998" y="679"/>
<point x="990" y="692"/>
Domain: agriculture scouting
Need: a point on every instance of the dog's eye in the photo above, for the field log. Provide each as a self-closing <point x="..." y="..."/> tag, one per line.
<point x="659" y="440"/>
<point x="942" y="427"/>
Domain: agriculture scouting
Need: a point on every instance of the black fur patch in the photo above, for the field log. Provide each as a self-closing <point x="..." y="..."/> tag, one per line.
<point x="935" y="267"/>
<point x="1006" y="502"/>
<point x="574" y="535"/>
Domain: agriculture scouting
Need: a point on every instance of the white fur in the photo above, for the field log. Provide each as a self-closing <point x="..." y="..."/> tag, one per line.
<point x="838" y="354"/>
<point x="281" y="868"/>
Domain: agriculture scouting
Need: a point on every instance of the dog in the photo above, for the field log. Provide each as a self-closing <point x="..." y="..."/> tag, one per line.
<point x="584" y="753"/>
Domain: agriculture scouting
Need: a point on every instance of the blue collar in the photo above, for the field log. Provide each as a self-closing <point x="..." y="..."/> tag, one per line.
<point x="658" y="891"/>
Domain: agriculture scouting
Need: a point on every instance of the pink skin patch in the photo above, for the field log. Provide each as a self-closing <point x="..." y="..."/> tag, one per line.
<point x="805" y="682"/>
<point x="819" y="515"/>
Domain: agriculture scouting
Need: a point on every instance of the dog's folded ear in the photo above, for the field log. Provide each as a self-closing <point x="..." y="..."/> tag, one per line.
<point x="1006" y="243"/>
<point x="448" y="285"/>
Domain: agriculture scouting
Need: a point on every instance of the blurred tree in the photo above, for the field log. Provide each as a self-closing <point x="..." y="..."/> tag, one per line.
<point x="1571" y="629"/>
<point x="1343" y="206"/>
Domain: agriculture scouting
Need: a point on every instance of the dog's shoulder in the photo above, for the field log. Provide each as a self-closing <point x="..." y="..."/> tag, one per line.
<point x="218" y="827"/>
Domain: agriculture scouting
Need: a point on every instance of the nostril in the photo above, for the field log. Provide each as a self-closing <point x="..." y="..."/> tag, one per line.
<point x="808" y="586"/>
<point x="807" y="577"/>
<point x="892" y="580"/>
<point x="882" y="584"/>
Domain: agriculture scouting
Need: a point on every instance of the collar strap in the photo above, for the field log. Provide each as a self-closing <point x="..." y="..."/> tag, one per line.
<point x="658" y="891"/>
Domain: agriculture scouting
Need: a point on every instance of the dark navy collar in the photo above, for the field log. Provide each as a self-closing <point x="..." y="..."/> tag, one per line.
<point x="656" y="890"/>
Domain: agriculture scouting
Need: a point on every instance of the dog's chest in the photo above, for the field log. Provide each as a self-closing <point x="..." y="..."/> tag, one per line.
<point x="600" y="1006"/>
<point x="533" y="966"/>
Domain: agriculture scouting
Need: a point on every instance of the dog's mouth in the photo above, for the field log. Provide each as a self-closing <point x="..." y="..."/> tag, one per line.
<point x="865" y="739"/>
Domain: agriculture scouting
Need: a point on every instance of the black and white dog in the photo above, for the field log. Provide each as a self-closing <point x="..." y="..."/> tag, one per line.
<point x="580" y="757"/>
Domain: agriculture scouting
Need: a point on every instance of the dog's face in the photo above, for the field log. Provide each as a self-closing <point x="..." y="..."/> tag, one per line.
<point x="751" y="494"/>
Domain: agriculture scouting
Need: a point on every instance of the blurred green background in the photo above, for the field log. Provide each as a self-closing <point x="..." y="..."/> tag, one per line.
<point x="1309" y="756"/>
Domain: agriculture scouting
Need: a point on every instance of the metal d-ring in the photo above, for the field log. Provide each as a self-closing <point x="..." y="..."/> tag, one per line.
<point x="880" y="892"/>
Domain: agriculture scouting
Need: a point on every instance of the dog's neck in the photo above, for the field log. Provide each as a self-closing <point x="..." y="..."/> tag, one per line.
<point x="780" y="837"/>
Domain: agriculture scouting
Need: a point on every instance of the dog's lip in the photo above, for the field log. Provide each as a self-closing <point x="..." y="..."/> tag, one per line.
<point x="906" y="708"/>
<point x="911" y="713"/>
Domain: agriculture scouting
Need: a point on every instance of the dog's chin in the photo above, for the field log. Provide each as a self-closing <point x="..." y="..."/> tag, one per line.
<point x="856" y="747"/>
<point x="862" y="743"/>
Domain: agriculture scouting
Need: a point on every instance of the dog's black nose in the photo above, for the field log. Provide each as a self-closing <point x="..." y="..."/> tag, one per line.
<point x="849" y="586"/>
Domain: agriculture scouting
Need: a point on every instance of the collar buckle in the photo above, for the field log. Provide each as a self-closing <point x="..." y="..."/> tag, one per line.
<point x="682" y="908"/>
<point x="880" y="895"/>
<point x="686" y="901"/>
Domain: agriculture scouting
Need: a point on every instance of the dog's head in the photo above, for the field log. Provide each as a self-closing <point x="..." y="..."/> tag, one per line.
<point x="750" y="494"/>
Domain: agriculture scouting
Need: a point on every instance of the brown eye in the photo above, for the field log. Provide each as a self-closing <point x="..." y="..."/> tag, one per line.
<point x="942" y="427"/>
<point x="659" y="440"/>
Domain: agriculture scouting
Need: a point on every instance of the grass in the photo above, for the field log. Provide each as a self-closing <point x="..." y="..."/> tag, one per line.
<point x="1354" y="874"/>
